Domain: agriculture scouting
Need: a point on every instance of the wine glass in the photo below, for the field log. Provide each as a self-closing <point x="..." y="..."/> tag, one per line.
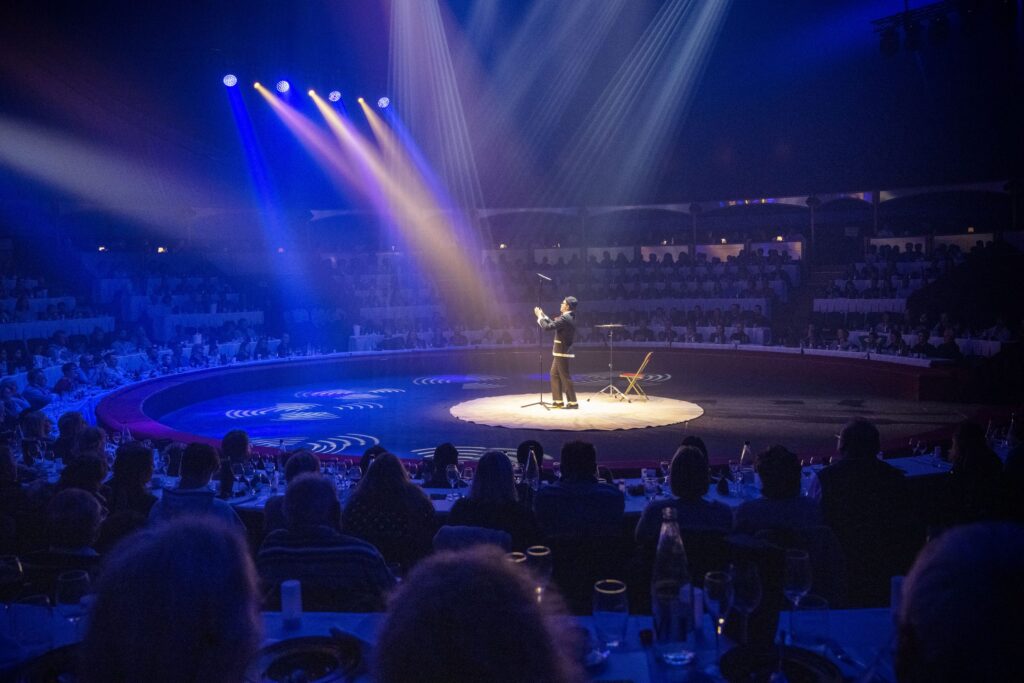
<point x="72" y="586"/>
<point x="11" y="577"/>
<point x="467" y="475"/>
<point x="611" y="612"/>
<point x="746" y="584"/>
<point x="718" y="597"/>
<point x="797" y="579"/>
<point x="665" y="467"/>
<point x="452" y="473"/>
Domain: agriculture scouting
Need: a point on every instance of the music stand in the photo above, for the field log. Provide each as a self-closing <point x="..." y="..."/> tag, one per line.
<point x="611" y="390"/>
<point x="540" y="353"/>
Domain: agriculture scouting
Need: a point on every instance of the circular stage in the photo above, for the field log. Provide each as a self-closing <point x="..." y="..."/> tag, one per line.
<point x="410" y="402"/>
<point x="597" y="412"/>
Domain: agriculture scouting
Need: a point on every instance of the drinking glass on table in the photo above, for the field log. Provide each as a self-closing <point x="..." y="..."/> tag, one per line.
<point x="538" y="559"/>
<point x="797" y="579"/>
<point x="665" y="466"/>
<point x="72" y="586"/>
<point x="718" y="597"/>
<point x="467" y="475"/>
<point x="746" y="586"/>
<point x="452" y="473"/>
<point x="611" y="612"/>
<point x="650" y="481"/>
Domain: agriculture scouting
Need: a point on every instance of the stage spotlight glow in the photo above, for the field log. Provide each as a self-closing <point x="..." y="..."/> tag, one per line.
<point x="334" y="96"/>
<point x="256" y="85"/>
<point x="724" y="241"/>
<point x="101" y="248"/>
<point x="311" y="92"/>
<point x="360" y="100"/>
<point x="383" y="103"/>
<point x="161" y="250"/>
<point x="283" y="86"/>
<point x="778" y="238"/>
<point x="280" y="250"/>
<point x="231" y="80"/>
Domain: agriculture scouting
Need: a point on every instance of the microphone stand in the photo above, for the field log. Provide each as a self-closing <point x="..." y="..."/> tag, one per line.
<point x="540" y="352"/>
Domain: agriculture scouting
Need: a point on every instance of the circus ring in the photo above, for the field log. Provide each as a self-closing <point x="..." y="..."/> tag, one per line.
<point x="410" y="401"/>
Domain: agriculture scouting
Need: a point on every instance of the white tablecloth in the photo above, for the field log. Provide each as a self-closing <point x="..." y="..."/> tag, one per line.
<point x="968" y="347"/>
<point x="163" y="325"/>
<point x="840" y="305"/>
<point x="46" y="328"/>
<point x="40" y="304"/>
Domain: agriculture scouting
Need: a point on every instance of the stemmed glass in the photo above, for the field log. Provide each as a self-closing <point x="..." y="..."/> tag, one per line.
<point x="797" y="579"/>
<point x="72" y="586"/>
<point x="665" y="467"/>
<point x="746" y="584"/>
<point x="452" y="473"/>
<point x="11" y="577"/>
<point x="718" y="597"/>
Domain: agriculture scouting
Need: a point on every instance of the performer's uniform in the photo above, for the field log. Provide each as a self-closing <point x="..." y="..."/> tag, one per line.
<point x="565" y="333"/>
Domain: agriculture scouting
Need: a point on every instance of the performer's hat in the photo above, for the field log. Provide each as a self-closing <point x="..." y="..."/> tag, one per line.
<point x="571" y="301"/>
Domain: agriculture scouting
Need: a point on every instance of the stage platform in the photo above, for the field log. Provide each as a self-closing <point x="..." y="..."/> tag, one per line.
<point x="412" y="401"/>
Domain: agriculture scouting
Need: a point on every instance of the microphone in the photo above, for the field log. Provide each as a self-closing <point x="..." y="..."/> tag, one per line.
<point x="542" y="275"/>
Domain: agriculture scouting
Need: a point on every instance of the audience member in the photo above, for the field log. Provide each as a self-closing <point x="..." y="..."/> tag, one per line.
<point x="235" y="449"/>
<point x="72" y="526"/>
<point x="578" y="504"/>
<point x="975" y="490"/>
<point x="69" y="427"/>
<point x="493" y="502"/>
<point x="339" y="573"/>
<point x="959" y="618"/>
<point x="391" y="513"/>
<point x="866" y="503"/>
<point x="193" y="495"/>
<point x="178" y="603"/>
<point x="444" y="456"/>
<point x="689" y="479"/>
<point x="300" y="462"/>
<point x="781" y="506"/>
<point x="468" y="640"/>
<point x="133" y="468"/>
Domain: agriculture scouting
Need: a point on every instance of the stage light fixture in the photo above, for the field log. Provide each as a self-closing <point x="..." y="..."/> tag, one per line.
<point x="334" y="96"/>
<point x="360" y="100"/>
<point x="383" y="103"/>
<point x="778" y="238"/>
<point x="101" y="248"/>
<point x="161" y="250"/>
<point x="283" y="86"/>
<point x="312" y="92"/>
<point x="231" y="80"/>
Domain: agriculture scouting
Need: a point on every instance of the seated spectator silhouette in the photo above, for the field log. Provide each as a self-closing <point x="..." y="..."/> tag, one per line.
<point x="948" y="349"/>
<point x="235" y="449"/>
<point x="13" y="501"/>
<point x="577" y="504"/>
<point x="689" y="480"/>
<point x="1014" y="469"/>
<point x="444" y="455"/>
<point x="178" y="603"/>
<point x="391" y="513"/>
<point x="959" y="618"/>
<point x="69" y="426"/>
<point x="298" y="463"/>
<point x="781" y="506"/>
<point x="467" y="640"/>
<point x="866" y="503"/>
<point x="193" y="495"/>
<point x="87" y="472"/>
<point x="368" y="456"/>
<point x="36" y="392"/>
<point x="339" y="573"/>
<point x="130" y="500"/>
<point x="72" y="526"/>
<point x="975" y="491"/>
<point x="493" y="502"/>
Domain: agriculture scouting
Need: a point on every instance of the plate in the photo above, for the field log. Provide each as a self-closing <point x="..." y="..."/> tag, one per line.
<point x="310" y="659"/>
<point x="758" y="664"/>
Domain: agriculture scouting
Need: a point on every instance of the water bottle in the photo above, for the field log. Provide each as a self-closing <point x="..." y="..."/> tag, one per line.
<point x="672" y="595"/>
<point x="745" y="456"/>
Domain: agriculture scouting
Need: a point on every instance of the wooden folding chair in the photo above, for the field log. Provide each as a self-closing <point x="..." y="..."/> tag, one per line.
<point x="634" y="378"/>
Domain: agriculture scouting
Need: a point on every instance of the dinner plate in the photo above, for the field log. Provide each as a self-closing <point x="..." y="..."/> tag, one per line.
<point x="310" y="659"/>
<point x="758" y="664"/>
